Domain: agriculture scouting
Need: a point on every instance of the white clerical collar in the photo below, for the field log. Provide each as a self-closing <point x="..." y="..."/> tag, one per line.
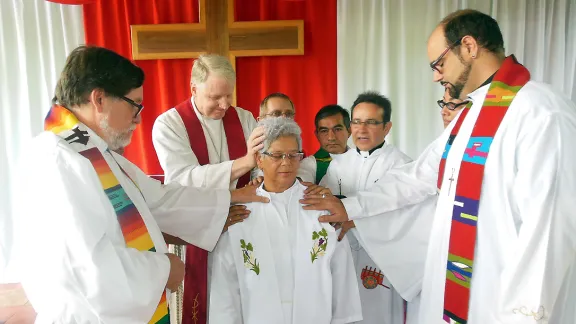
<point x="377" y="150"/>
<point x="480" y="93"/>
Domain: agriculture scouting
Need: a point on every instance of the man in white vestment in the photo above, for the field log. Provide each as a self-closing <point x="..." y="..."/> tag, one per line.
<point x="204" y="142"/>
<point x="355" y="171"/>
<point x="281" y="265"/>
<point x="88" y="235"/>
<point x="502" y="248"/>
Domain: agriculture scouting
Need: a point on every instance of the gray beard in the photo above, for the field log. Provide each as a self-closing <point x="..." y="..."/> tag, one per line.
<point x="115" y="139"/>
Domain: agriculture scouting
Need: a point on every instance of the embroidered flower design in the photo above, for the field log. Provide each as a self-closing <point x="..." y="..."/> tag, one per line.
<point x="250" y="261"/>
<point x="537" y="315"/>
<point x="320" y="239"/>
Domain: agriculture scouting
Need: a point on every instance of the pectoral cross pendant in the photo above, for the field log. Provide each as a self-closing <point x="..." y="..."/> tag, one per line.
<point x="451" y="180"/>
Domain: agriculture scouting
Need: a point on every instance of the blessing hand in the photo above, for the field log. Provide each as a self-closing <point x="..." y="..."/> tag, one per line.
<point x="236" y="214"/>
<point x="336" y="209"/>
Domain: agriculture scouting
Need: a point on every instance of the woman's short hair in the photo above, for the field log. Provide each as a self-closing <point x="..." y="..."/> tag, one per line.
<point x="276" y="127"/>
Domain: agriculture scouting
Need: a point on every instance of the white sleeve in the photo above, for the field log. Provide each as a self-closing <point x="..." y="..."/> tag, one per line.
<point x="346" y="306"/>
<point x="69" y="264"/>
<point x="196" y="215"/>
<point x="397" y="241"/>
<point x="543" y="197"/>
<point x="225" y="303"/>
<point x="402" y="186"/>
<point x="179" y="162"/>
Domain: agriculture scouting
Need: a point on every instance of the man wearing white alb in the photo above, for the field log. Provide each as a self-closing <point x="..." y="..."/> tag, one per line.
<point x="205" y="142"/>
<point x="88" y="241"/>
<point x="502" y="248"/>
<point x="355" y="172"/>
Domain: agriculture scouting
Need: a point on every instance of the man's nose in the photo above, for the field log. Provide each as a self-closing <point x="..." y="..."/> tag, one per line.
<point x="138" y="119"/>
<point x="224" y="103"/>
<point x="437" y="76"/>
<point x="331" y="135"/>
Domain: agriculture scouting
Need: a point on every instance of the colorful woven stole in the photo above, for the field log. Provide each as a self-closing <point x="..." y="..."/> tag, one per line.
<point x="511" y="77"/>
<point x="64" y="124"/>
<point x="195" y="298"/>
<point x="323" y="160"/>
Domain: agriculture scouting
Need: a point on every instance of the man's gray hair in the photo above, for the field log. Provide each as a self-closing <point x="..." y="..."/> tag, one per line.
<point x="207" y="64"/>
<point x="276" y="127"/>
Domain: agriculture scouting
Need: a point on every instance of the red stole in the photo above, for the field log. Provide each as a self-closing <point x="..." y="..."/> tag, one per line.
<point x="196" y="276"/>
<point x="509" y="79"/>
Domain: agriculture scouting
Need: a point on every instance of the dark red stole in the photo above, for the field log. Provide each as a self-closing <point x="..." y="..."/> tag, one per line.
<point x="195" y="298"/>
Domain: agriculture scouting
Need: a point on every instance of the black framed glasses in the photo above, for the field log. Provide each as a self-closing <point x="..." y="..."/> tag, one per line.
<point x="450" y="105"/>
<point x="292" y="157"/>
<point x="138" y="106"/>
<point x="434" y="63"/>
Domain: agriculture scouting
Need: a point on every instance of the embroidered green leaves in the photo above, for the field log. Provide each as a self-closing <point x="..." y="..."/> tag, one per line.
<point x="320" y="239"/>
<point x="250" y="261"/>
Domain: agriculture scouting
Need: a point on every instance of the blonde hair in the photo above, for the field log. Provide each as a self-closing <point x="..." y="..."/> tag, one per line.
<point x="212" y="63"/>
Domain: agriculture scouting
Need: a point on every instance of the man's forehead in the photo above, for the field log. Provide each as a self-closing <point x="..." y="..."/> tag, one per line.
<point x="282" y="104"/>
<point x="367" y="109"/>
<point x="437" y="42"/>
<point x="331" y="121"/>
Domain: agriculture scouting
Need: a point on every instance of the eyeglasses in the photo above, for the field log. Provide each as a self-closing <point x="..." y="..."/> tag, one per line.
<point x="369" y="122"/>
<point x="138" y="106"/>
<point x="450" y="105"/>
<point x="287" y="114"/>
<point x="436" y="61"/>
<point x="277" y="157"/>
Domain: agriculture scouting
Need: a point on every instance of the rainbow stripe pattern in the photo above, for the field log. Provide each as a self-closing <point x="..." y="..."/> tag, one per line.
<point x="511" y="77"/>
<point x="59" y="121"/>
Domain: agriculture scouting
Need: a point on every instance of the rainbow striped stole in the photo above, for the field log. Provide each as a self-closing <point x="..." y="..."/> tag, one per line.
<point x="509" y="79"/>
<point x="64" y="124"/>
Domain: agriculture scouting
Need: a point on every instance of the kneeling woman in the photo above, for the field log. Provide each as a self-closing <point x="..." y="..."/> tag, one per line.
<point x="280" y="265"/>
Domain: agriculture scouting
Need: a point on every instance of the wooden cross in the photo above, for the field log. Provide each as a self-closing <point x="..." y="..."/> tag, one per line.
<point x="217" y="32"/>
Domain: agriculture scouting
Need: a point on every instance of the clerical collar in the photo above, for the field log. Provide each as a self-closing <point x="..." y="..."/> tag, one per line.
<point x="372" y="150"/>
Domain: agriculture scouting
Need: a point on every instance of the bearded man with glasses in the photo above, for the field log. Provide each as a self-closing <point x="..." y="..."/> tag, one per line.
<point x="502" y="245"/>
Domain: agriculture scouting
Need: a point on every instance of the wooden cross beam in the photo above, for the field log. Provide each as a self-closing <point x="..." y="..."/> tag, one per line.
<point x="217" y="32"/>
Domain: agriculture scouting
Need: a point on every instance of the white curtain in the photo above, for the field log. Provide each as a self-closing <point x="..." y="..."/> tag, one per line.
<point x="35" y="38"/>
<point x="382" y="46"/>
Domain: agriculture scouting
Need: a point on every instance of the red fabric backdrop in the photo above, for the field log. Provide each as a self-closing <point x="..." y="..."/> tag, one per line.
<point x="310" y="80"/>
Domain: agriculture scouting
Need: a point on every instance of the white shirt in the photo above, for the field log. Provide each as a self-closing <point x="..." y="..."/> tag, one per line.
<point x="72" y="256"/>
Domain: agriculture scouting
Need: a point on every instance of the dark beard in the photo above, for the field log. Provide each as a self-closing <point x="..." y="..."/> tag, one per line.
<point x="456" y="89"/>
